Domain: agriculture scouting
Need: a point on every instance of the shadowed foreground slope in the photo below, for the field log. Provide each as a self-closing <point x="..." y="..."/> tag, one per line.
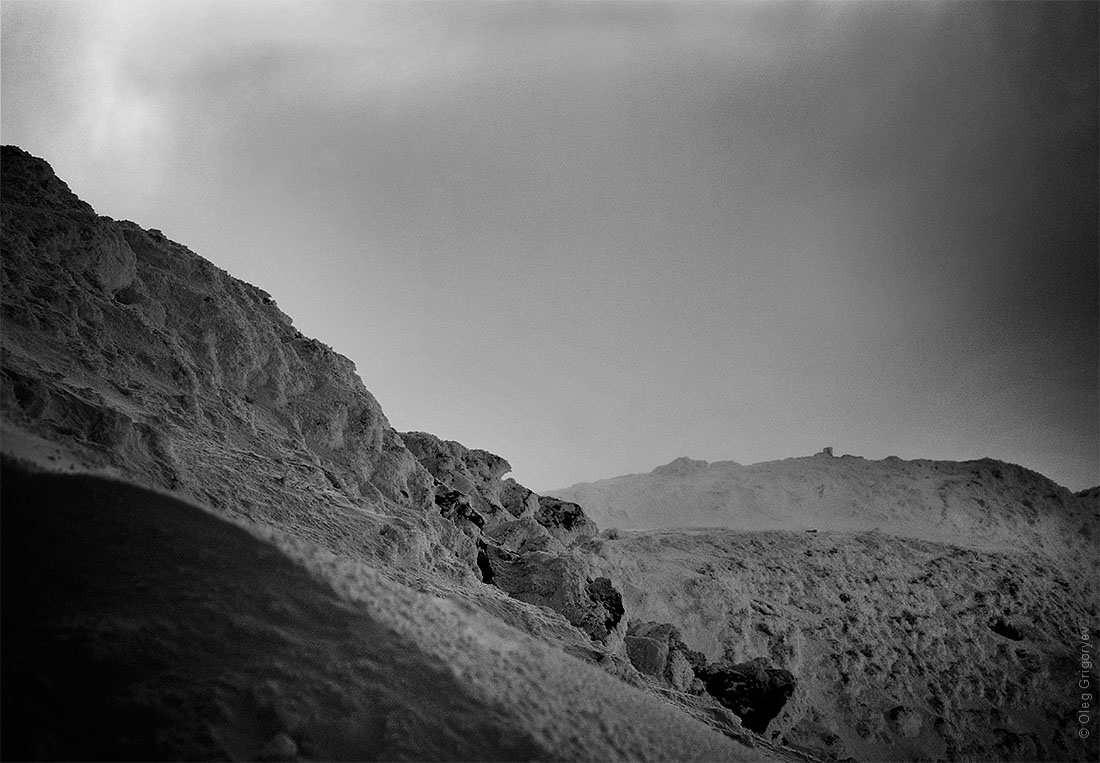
<point x="138" y="626"/>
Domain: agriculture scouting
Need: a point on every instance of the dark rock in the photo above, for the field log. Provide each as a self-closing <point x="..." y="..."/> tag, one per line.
<point x="605" y="597"/>
<point x="524" y="535"/>
<point x="518" y="500"/>
<point x="1002" y="627"/>
<point x="561" y="583"/>
<point x="456" y="507"/>
<point x="484" y="564"/>
<point x="566" y="521"/>
<point x="753" y="690"/>
<point x="521" y="538"/>
<point x="648" y="655"/>
<point x="476" y="473"/>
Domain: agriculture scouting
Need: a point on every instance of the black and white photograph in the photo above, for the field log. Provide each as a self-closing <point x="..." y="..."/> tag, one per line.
<point x="564" y="380"/>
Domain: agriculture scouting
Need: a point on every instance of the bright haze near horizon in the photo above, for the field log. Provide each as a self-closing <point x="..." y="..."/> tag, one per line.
<point x="594" y="237"/>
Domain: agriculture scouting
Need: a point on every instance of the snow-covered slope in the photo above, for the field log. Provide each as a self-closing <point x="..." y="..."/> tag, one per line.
<point x="348" y="591"/>
<point x="924" y="609"/>
<point x="901" y="649"/>
<point x="138" y="626"/>
<point x="983" y="504"/>
<point x="124" y="354"/>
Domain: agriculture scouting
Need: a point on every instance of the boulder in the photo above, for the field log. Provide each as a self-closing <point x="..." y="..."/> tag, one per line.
<point x="754" y="690"/>
<point x="679" y="672"/>
<point x="518" y="500"/>
<point x="566" y="521"/>
<point x="608" y="602"/>
<point x="474" y="472"/>
<point x="648" y="655"/>
<point x="561" y="583"/>
<point x="523" y="536"/>
<point x="682" y="665"/>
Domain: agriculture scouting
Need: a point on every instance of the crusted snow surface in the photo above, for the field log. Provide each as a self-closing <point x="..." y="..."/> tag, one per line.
<point x="901" y="649"/>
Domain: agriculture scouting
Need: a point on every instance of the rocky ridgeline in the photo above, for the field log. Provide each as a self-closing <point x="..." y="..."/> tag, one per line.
<point x="147" y="359"/>
<point x="524" y="541"/>
<point x="137" y="357"/>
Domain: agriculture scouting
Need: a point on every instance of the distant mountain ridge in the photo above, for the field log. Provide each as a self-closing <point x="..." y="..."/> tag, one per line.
<point x="983" y="503"/>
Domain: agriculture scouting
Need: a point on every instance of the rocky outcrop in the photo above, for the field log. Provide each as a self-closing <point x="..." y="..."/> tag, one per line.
<point x="1089" y="494"/>
<point x="562" y="583"/>
<point x="754" y="690"/>
<point x="519" y="501"/>
<point x="146" y="358"/>
<point x="522" y="536"/>
<point x="133" y="355"/>
<point x="142" y="357"/>
<point x="566" y="521"/>
<point x="523" y="539"/>
<point x="658" y="650"/>
<point x="475" y="473"/>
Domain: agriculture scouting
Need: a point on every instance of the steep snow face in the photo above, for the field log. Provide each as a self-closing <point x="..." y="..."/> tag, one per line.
<point x="138" y="626"/>
<point x="981" y="504"/>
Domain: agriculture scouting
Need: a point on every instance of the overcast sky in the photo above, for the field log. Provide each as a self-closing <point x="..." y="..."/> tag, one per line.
<point x="594" y="237"/>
